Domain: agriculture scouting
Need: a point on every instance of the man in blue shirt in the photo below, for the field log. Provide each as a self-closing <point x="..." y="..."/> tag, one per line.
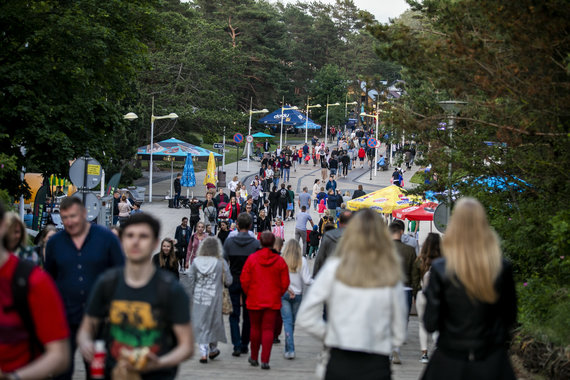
<point x="331" y="184"/>
<point x="75" y="257"/>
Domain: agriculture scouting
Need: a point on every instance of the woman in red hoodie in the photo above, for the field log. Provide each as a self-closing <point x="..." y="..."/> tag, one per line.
<point x="264" y="279"/>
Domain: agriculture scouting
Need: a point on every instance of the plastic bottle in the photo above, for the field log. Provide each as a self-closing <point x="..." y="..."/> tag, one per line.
<point x="98" y="362"/>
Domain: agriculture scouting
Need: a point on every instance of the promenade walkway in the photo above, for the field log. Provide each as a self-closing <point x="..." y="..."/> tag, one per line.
<point x="307" y="348"/>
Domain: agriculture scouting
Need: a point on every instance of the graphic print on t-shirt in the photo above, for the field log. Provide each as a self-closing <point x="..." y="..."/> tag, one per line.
<point x="133" y="325"/>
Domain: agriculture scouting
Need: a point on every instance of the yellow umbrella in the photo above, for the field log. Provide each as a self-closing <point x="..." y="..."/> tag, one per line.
<point x="384" y="201"/>
<point x="211" y="175"/>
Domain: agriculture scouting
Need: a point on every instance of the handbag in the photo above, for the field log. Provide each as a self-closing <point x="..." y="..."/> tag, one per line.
<point x="227" y="307"/>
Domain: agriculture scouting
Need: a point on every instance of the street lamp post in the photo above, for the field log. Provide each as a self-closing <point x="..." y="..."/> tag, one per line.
<point x="307" y="119"/>
<point x="171" y="116"/>
<point x="452" y="108"/>
<point x="327" y="118"/>
<point x="346" y="104"/>
<point x="376" y="117"/>
<point x="281" y="133"/>
<point x="251" y="112"/>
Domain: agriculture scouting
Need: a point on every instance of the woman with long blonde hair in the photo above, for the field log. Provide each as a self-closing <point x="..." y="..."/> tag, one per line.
<point x="471" y="300"/>
<point x="299" y="275"/>
<point x="366" y="309"/>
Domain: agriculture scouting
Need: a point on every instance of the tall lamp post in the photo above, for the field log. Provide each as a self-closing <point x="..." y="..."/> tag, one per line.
<point x="251" y="112"/>
<point x="170" y="116"/>
<point x="307" y="120"/>
<point x="327" y="118"/>
<point x="376" y="117"/>
<point x="281" y="133"/>
<point x="452" y="108"/>
<point x="346" y="104"/>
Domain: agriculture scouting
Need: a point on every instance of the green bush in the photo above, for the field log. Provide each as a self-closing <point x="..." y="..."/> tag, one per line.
<point x="193" y="139"/>
<point x="544" y="310"/>
<point x="210" y="137"/>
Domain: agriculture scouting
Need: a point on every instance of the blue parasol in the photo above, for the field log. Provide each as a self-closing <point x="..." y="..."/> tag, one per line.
<point x="188" y="176"/>
<point x="290" y="117"/>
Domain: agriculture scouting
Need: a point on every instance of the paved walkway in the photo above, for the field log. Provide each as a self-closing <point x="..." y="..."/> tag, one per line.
<point x="307" y="348"/>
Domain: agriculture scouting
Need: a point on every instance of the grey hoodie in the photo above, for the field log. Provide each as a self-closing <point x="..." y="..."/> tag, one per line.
<point x="236" y="251"/>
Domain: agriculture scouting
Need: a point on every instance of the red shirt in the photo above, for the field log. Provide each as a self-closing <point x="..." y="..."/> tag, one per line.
<point x="47" y="313"/>
<point x="264" y="279"/>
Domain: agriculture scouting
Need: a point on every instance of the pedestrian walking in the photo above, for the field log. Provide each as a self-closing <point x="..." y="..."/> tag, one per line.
<point x="264" y="279"/>
<point x="330" y="240"/>
<point x="314" y="240"/>
<point x="75" y="257"/>
<point x="165" y="259"/>
<point x="283" y="200"/>
<point x="316" y="189"/>
<point x="146" y="312"/>
<point x="207" y="277"/>
<point x="324" y="168"/>
<point x="177" y="190"/>
<point x="124" y="209"/>
<point x="471" y="300"/>
<point x="194" y="243"/>
<point x="210" y="215"/>
<point x="195" y="206"/>
<point x="182" y="237"/>
<point x="236" y="251"/>
<point x="301" y="227"/>
<point x="430" y="251"/>
<point x="35" y="334"/>
<point x="299" y="275"/>
<point x="365" y="277"/>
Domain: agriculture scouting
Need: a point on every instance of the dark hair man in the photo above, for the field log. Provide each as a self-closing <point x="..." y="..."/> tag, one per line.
<point x="35" y="336"/>
<point x="236" y="251"/>
<point x="147" y="310"/>
<point x="182" y="237"/>
<point x="75" y="257"/>
<point x="177" y="190"/>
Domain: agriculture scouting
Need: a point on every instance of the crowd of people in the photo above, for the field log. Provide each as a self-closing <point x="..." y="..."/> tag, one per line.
<point x="349" y="279"/>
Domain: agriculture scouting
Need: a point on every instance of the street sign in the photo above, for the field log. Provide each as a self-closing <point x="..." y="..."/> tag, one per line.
<point x="218" y="146"/>
<point x="77" y="173"/>
<point x="372" y="142"/>
<point x="238" y="137"/>
<point x="249" y="138"/>
<point x="92" y="204"/>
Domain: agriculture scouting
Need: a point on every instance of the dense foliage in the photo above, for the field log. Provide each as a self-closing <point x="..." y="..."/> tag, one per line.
<point x="510" y="61"/>
<point x="69" y="70"/>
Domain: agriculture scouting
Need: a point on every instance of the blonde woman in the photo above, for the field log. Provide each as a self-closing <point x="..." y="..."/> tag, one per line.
<point x="471" y="300"/>
<point x="299" y="274"/>
<point x="16" y="239"/>
<point x="124" y="209"/>
<point x="362" y="288"/>
<point x="206" y="285"/>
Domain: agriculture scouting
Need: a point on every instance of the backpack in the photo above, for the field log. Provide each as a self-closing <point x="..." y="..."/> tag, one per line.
<point x="20" y="287"/>
<point x="110" y="281"/>
<point x="283" y="194"/>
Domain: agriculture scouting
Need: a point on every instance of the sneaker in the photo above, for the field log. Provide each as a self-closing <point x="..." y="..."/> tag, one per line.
<point x="424" y="359"/>
<point x="265" y="366"/>
<point x="253" y="363"/>
<point x="203" y="360"/>
<point x="396" y="357"/>
<point x="214" y="354"/>
<point x="244" y="350"/>
<point x="236" y="353"/>
<point x="291" y="355"/>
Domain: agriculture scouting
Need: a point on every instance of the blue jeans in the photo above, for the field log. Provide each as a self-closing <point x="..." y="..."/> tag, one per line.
<point x="176" y="199"/>
<point x="286" y="173"/>
<point x="239" y="341"/>
<point x="289" y="308"/>
<point x="275" y="182"/>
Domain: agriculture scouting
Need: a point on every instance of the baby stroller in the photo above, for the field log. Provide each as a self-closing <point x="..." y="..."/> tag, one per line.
<point x="223" y="215"/>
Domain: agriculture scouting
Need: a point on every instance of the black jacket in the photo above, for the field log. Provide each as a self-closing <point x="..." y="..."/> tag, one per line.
<point x="236" y="251"/>
<point x="466" y="324"/>
<point x="177" y="186"/>
<point x="328" y="245"/>
<point x="358" y="194"/>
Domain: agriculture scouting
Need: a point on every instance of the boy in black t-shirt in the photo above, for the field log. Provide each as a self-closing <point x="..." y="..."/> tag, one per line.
<point x="148" y="312"/>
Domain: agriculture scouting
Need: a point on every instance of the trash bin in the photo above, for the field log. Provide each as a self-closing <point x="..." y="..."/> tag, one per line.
<point x="171" y="203"/>
<point x="221" y="179"/>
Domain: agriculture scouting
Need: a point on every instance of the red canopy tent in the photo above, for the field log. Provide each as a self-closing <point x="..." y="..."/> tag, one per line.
<point x="420" y="212"/>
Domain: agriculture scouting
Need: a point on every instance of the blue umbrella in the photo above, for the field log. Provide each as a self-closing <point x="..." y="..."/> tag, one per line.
<point x="290" y="117"/>
<point x="188" y="177"/>
<point x="310" y="125"/>
<point x="261" y="134"/>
